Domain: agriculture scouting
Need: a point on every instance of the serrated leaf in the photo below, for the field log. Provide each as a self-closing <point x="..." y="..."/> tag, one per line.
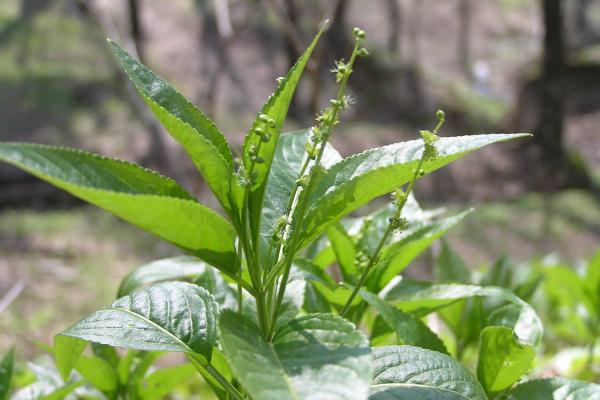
<point x="198" y="135"/>
<point x="317" y="356"/>
<point x="137" y="195"/>
<point x="502" y="359"/>
<point x="402" y="370"/>
<point x="170" y="316"/>
<point x="6" y="372"/>
<point x="396" y="257"/>
<point x="555" y="389"/>
<point x="409" y="329"/>
<point x="167" y="269"/>
<point x="423" y="298"/>
<point x="276" y="108"/>
<point x="356" y="180"/>
<point x="287" y="162"/>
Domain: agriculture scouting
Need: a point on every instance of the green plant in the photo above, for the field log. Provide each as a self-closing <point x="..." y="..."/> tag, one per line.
<point x="254" y="309"/>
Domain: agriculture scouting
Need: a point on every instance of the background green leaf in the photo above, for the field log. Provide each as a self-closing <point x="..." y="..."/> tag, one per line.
<point x="555" y="389"/>
<point x="6" y="372"/>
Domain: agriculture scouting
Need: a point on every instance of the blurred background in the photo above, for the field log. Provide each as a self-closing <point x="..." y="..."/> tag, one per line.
<point x="493" y="66"/>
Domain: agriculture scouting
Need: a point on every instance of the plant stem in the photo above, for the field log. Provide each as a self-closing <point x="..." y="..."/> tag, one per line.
<point x="375" y="256"/>
<point x="224" y="382"/>
<point x="216" y="375"/>
<point x="300" y="209"/>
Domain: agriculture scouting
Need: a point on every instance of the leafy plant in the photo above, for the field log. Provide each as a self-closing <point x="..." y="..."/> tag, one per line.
<point x="267" y="304"/>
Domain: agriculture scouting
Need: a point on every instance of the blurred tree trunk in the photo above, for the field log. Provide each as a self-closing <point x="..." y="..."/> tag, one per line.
<point x="394" y="12"/>
<point x="465" y="8"/>
<point x="555" y="169"/>
<point x="551" y="118"/>
<point x="136" y="28"/>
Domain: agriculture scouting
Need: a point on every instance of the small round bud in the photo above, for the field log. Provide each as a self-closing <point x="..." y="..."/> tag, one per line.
<point x="440" y="115"/>
<point x="252" y="150"/>
<point x="362" y="52"/>
<point x="358" y="33"/>
<point x="280" y="80"/>
<point x="259" y="131"/>
<point x="265" y="138"/>
<point x="421" y="173"/>
<point x="263" y="118"/>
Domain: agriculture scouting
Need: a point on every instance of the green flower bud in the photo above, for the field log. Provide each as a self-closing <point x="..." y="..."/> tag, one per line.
<point x="440" y="115"/>
<point x="358" y="34"/>
<point x="421" y="173"/>
<point x="362" y="52"/>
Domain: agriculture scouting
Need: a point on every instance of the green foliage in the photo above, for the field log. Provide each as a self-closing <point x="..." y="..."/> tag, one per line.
<point x="6" y="372"/>
<point x="274" y="296"/>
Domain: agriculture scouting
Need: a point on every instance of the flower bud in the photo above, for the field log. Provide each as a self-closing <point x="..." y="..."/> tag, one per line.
<point x="362" y="52"/>
<point x="358" y="33"/>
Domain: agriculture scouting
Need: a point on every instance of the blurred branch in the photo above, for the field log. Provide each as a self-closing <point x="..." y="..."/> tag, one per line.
<point x="11" y="295"/>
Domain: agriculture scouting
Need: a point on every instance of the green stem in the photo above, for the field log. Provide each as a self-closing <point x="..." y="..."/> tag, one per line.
<point x="224" y="382"/>
<point x="388" y="231"/>
<point x="216" y="375"/>
<point x="301" y="209"/>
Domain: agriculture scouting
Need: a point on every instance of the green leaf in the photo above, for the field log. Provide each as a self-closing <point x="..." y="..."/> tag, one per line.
<point x="555" y="389"/>
<point x="287" y="163"/>
<point x="170" y="316"/>
<point x="161" y="383"/>
<point x="67" y="351"/>
<point x="345" y="251"/>
<point x="402" y="370"/>
<point x="198" y="135"/>
<point x="6" y="372"/>
<point x="317" y="356"/>
<point x="450" y="267"/>
<point x="139" y="196"/>
<point x="276" y="107"/>
<point x="423" y="298"/>
<point x="502" y="359"/>
<point x="166" y="269"/>
<point x="396" y="257"/>
<point x="409" y="329"/>
<point x="98" y="372"/>
<point x="356" y="180"/>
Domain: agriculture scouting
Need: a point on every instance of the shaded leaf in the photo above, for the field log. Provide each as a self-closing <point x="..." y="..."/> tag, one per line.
<point x="161" y="383"/>
<point x="314" y="356"/>
<point x="397" y="256"/>
<point x="287" y="163"/>
<point x="409" y="329"/>
<point x="423" y="298"/>
<point x="555" y="389"/>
